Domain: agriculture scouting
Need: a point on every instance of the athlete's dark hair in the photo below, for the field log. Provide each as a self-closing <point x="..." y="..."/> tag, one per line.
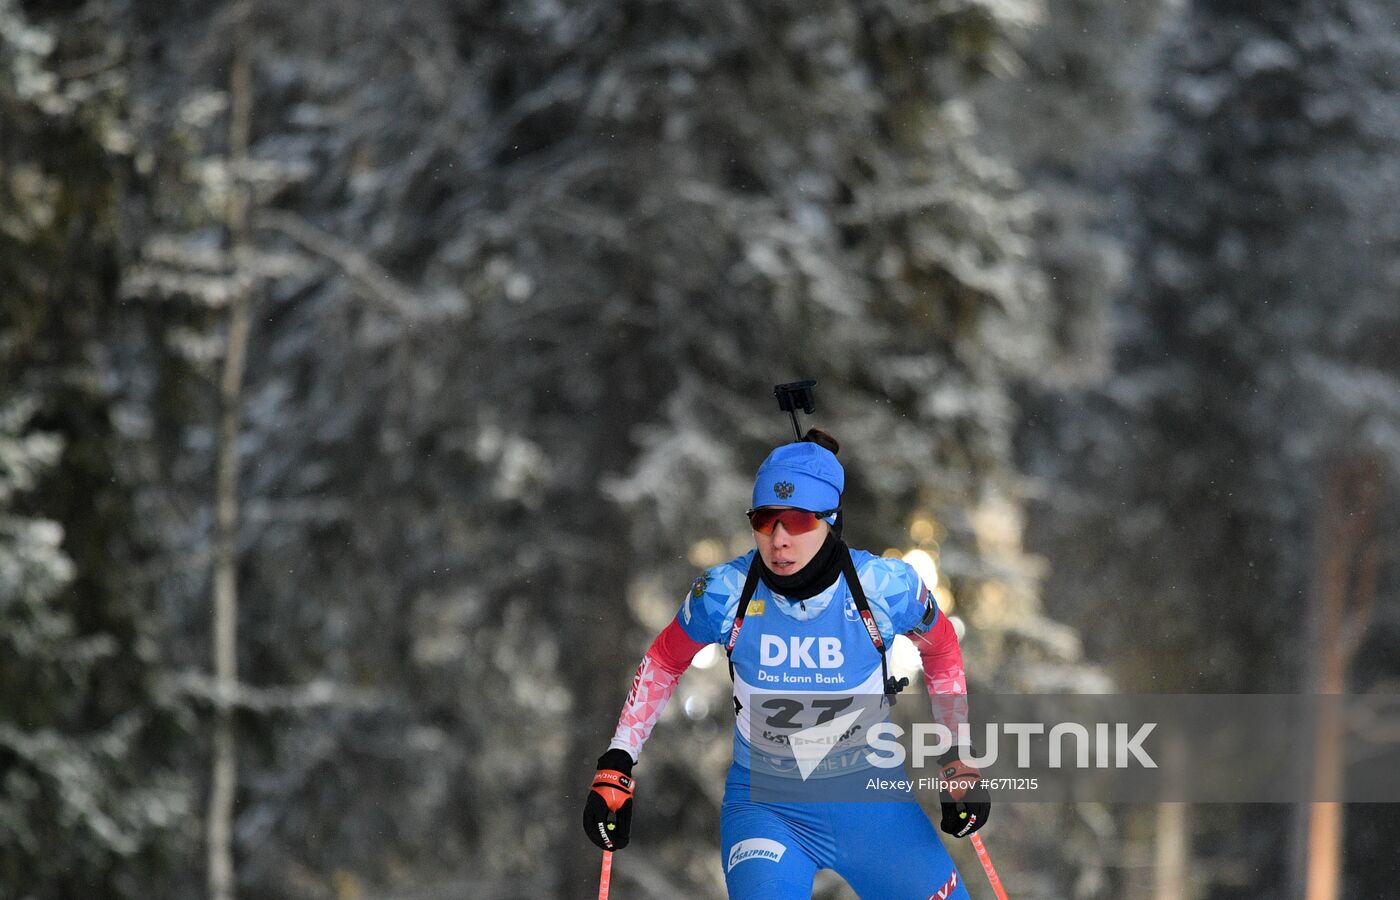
<point x="822" y="439"/>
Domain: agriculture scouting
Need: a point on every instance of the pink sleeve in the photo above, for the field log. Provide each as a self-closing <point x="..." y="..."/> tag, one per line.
<point x="943" y="672"/>
<point x="669" y="656"/>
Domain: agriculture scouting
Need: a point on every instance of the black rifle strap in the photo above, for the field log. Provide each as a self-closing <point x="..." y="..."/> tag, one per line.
<point x="750" y="585"/>
<point x="848" y="567"/>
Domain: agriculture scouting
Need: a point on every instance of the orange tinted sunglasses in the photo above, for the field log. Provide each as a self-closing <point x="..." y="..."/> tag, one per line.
<point x="795" y="521"/>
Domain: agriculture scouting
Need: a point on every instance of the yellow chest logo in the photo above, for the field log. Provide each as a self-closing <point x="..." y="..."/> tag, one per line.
<point x="755" y="608"/>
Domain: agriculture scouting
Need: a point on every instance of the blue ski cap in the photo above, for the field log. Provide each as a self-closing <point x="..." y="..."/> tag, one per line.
<point x="803" y="475"/>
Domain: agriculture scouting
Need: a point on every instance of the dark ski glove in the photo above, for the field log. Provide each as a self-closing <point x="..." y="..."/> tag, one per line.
<point x="607" y="814"/>
<point x="966" y="804"/>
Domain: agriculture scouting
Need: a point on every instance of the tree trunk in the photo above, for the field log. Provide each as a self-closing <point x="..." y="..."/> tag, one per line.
<point x="1171" y="862"/>
<point x="1171" y="870"/>
<point x="599" y="674"/>
<point x="600" y="669"/>
<point x="1342" y="607"/>
<point x="223" y="781"/>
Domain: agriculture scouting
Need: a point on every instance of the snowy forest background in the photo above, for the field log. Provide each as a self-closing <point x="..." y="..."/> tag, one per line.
<point x="376" y="378"/>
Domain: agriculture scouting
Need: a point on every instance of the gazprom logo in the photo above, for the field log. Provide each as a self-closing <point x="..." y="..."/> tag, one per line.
<point x="754" y="848"/>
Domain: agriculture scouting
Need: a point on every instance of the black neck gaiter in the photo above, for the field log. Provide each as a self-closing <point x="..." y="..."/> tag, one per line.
<point x="811" y="579"/>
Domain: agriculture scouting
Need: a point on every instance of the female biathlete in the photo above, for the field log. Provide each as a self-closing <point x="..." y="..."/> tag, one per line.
<point x="803" y="625"/>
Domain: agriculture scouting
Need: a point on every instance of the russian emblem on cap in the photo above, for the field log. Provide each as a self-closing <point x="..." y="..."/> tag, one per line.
<point x="784" y="489"/>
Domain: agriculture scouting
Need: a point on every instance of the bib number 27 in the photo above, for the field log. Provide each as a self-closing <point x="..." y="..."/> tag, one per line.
<point x="784" y="712"/>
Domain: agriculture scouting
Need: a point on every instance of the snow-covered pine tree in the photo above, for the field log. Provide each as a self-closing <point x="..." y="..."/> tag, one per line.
<point x="91" y="802"/>
<point x="1247" y="368"/>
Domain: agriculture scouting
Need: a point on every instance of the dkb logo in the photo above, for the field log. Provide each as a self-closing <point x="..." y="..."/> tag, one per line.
<point x="797" y="652"/>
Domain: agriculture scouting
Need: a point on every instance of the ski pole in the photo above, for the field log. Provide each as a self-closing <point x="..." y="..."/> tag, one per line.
<point x="987" y="867"/>
<point x="606" y="877"/>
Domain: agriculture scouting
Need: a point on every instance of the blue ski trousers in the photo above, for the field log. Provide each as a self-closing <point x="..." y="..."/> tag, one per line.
<point x="886" y="850"/>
